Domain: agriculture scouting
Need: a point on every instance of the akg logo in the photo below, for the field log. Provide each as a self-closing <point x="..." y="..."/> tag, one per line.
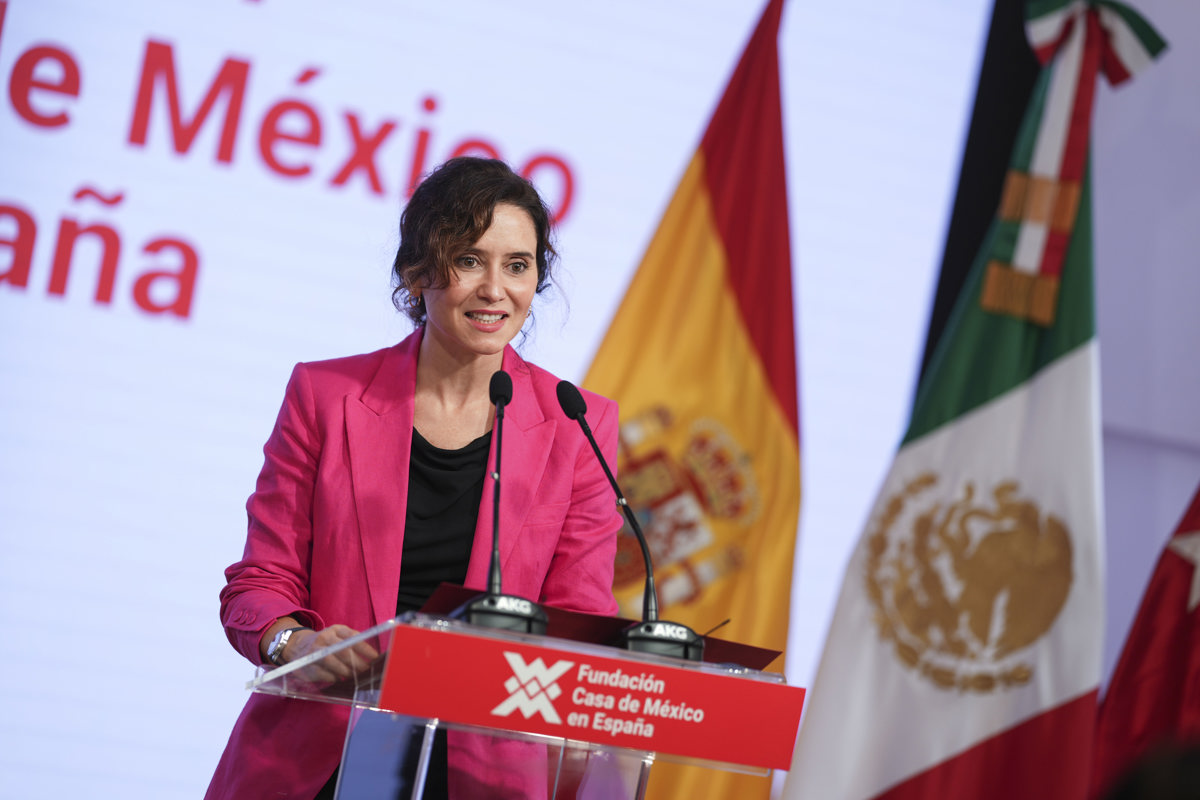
<point x="517" y="604"/>
<point x="532" y="689"/>
<point x="670" y="631"/>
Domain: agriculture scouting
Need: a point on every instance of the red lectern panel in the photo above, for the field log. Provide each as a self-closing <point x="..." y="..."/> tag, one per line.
<point x="592" y="694"/>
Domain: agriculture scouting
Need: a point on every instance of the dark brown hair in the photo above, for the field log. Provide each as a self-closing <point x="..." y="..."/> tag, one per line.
<point x="449" y="212"/>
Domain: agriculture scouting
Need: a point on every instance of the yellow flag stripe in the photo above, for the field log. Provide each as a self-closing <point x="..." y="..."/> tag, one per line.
<point x="678" y="343"/>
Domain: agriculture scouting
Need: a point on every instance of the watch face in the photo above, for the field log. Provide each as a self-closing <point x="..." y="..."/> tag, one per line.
<point x="275" y="648"/>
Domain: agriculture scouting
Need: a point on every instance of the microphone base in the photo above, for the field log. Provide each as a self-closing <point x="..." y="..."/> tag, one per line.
<point x="662" y="639"/>
<point x="504" y="612"/>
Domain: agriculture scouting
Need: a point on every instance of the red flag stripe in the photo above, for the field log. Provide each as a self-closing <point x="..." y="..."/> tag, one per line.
<point x="748" y="190"/>
<point x="1044" y="757"/>
<point x="1079" y="133"/>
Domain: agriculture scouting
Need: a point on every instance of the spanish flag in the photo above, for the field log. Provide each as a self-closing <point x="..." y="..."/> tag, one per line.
<point x="701" y="357"/>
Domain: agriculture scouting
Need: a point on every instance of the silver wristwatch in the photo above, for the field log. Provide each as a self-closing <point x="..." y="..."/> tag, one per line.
<point x="275" y="648"/>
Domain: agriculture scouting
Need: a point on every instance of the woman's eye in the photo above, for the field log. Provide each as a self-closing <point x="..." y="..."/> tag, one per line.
<point x="518" y="267"/>
<point x="468" y="262"/>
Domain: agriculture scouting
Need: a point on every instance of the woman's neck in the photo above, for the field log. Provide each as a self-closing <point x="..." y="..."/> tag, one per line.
<point x="452" y="407"/>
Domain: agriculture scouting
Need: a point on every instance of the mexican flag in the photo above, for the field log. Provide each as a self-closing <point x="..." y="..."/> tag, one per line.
<point x="964" y="655"/>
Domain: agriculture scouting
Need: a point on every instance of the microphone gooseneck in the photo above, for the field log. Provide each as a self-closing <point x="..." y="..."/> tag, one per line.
<point x="574" y="406"/>
<point x="496" y="609"/>
<point x="650" y="635"/>
<point x="500" y="392"/>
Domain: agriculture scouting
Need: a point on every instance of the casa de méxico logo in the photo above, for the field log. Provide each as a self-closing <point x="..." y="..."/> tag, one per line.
<point x="533" y="688"/>
<point x="962" y="587"/>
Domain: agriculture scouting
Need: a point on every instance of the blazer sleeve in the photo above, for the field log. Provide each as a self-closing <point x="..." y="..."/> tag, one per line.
<point x="272" y="579"/>
<point x="580" y="576"/>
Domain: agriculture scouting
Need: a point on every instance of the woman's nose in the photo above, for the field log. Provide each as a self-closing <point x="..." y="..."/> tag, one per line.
<point x="491" y="285"/>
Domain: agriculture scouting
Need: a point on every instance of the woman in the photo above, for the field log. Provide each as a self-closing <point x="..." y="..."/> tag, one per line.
<point x="370" y="494"/>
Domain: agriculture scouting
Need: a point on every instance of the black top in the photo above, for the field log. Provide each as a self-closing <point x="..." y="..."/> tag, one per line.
<point x="444" y="491"/>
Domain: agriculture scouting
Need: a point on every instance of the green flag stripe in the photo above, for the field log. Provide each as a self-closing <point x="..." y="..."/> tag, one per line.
<point x="1145" y="33"/>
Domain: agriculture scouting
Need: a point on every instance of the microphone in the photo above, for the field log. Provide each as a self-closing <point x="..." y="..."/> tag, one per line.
<point x="496" y="609"/>
<point x="650" y="635"/>
<point x="500" y="392"/>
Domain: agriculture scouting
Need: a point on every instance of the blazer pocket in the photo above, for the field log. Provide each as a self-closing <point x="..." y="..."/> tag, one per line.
<point x="526" y="569"/>
<point x="546" y="514"/>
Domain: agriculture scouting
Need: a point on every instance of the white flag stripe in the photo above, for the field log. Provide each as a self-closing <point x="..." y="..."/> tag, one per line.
<point x="1046" y="28"/>
<point x="1125" y="43"/>
<point x="1031" y="243"/>
<point x="1060" y="102"/>
<point x="1051" y="142"/>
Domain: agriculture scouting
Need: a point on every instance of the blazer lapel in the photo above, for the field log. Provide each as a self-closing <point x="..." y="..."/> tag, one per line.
<point x="527" y="439"/>
<point x="379" y="438"/>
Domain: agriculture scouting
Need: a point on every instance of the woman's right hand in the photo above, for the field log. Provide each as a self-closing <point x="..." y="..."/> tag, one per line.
<point x="345" y="663"/>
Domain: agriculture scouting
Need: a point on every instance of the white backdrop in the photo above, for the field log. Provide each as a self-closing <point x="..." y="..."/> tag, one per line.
<point x="129" y="440"/>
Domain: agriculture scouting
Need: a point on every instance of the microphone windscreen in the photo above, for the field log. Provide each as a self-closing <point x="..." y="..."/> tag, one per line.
<point x="571" y="400"/>
<point x="500" y="389"/>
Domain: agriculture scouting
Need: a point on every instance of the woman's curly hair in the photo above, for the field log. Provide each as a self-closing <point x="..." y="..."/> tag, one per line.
<point x="450" y="211"/>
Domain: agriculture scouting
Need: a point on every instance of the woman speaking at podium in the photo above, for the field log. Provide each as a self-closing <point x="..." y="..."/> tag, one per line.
<point x="371" y="488"/>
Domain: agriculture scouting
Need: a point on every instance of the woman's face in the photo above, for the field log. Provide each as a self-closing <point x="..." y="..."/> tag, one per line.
<point x="492" y="285"/>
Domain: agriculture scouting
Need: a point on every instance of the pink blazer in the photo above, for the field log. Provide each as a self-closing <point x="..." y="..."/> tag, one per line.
<point x="326" y="531"/>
